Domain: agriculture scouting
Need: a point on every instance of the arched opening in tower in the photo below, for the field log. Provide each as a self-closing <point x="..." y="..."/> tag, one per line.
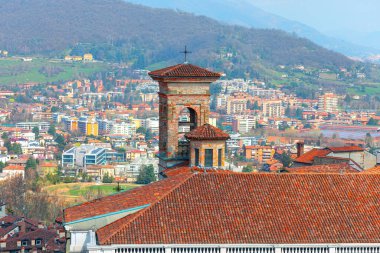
<point x="187" y="121"/>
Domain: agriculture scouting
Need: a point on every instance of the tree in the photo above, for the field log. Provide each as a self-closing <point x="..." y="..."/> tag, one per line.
<point x="248" y="168"/>
<point x="146" y="175"/>
<point x="286" y="160"/>
<point x="148" y="134"/>
<point x="36" y="131"/>
<point x="372" y="122"/>
<point x="54" y="109"/>
<point x="299" y="113"/>
<point x="141" y="130"/>
<point x="15" y="148"/>
<point x="61" y="141"/>
<point x="52" y="130"/>
<point x="31" y="164"/>
<point x="107" y="179"/>
<point x="368" y="140"/>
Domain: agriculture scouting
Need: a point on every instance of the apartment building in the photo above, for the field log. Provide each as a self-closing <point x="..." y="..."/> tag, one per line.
<point x="273" y="108"/>
<point x="328" y="103"/>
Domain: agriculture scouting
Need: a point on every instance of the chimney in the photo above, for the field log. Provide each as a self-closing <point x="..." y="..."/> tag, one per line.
<point x="300" y="148"/>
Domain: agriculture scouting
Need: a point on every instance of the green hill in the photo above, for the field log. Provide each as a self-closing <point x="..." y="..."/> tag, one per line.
<point x="114" y="30"/>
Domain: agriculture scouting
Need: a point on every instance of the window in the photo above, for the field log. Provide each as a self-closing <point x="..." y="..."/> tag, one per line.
<point x="219" y="157"/>
<point x="38" y="241"/>
<point x="208" y="158"/>
<point x="196" y="157"/>
<point x="24" y="243"/>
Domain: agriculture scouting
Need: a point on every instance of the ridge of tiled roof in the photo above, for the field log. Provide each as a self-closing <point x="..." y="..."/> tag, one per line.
<point x="184" y="170"/>
<point x="244" y="208"/>
<point x="183" y="70"/>
<point x="207" y="132"/>
<point x="374" y="170"/>
<point x="132" y="198"/>
<point x="325" y="168"/>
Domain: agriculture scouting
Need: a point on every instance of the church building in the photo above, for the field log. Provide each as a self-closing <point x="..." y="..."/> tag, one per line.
<point x="198" y="207"/>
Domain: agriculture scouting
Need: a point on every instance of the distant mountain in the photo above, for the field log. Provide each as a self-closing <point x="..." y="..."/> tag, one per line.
<point x="118" y="31"/>
<point x="244" y="13"/>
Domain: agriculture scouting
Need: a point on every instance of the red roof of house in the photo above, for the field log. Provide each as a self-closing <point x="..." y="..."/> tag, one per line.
<point x="325" y="168"/>
<point x="207" y="132"/>
<point x="246" y="208"/>
<point x="183" y="70"/>
<point x="308" y="157"/>
<point x="136" y="197"/>
<point x="346" y="149"/>
<point x="14" y="167"/>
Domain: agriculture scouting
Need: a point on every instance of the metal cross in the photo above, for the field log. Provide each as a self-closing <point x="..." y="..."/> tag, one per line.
<point x="186" y="53"/>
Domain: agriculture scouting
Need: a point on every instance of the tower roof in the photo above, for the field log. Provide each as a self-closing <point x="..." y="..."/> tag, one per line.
<point x="207" y="132"/>
<point x="183" y="70"/>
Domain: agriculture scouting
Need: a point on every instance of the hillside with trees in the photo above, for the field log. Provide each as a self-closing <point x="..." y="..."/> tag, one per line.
<point x="116" y="31"/>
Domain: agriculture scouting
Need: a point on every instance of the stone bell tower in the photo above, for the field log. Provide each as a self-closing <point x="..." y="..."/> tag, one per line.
<point x="184" y="104"/>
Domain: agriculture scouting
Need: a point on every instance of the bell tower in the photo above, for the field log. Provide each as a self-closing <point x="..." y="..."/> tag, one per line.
<point x="184" y="104"/>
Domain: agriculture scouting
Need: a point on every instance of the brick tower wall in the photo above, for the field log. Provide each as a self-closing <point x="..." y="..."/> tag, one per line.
<point x="173" y="98"/>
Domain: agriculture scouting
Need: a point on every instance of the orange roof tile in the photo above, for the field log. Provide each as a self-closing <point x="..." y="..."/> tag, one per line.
<point x="308" y="157"/>
<point x="246" y="208"/>
<point x="374" y="170"/>
<point x="14" y="167"/>
<point x="207" y="132"/>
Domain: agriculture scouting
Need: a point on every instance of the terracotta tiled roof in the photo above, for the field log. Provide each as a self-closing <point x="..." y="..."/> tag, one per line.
<point x="207" y="132"/>
<point x="374" y="170"/>
<point x="325" y="168"/>
<point x="308" y="157"/>
<point x="133" y="198"/>
<point x="245" y="208"/>
<point x="14" y="167"/>
<point x="183" y="70"/>
<point x="346" y="149"/>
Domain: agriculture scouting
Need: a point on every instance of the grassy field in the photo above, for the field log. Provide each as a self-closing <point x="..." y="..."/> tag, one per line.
<point x="75" y="193"/>
<point x="41" y="70"/>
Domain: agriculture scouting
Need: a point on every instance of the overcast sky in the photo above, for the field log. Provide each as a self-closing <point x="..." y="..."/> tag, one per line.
<point x="328" y="15"/>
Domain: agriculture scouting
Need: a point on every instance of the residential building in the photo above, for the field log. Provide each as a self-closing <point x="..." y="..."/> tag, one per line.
<point x="355" y="156"/>
<point x="20" y="234"/>
<point x="13" y="171"/>
<point x="88" y="126"/>
<point x="123" y="128"/>
<point x="71" y="124"/>
<point x="237" y="103"/>
<point x="47" y="167"/>
<point x="273" y="108"/>
<point x="328" y="103"/>
<point x="262" y="154"/>
<point x="243" y="123"/>
<point x="152" y="124"/>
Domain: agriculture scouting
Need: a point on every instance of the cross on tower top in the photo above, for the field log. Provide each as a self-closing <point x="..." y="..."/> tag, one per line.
<point x="186" y="53"/>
